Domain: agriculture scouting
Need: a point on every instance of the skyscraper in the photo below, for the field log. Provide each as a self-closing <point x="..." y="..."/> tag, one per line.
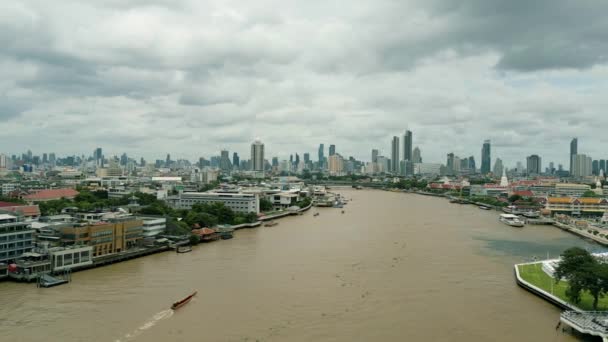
<point x="168" y="160"/>
<point x="98" y="156"/>
<point x="374" y="156"/>
<point x="407" y="146"/>
<point x="533" y="165"/>
<point x="395" y="155"/>
<point x="416" y="155"/>
<point x="450" y="164"/>
<point x="236" y="161"/>
<point x="257" y="155"/>
<point x="306" y="158"/>
<point x="603" y="165"/>
<point x="595" y="167"/>
<point x="472" y="165"/>
<point x="573" y="152"/>
<point x="321" y="155"/>
<point x="225" y="160"/>
<point x="498" y="167"/>
<point x="275" y="161"/>
<point x="581" y="165"/>
<point x="3" y="162"/>
<point x="486" y="160"/>
<point x="332" y="150"/>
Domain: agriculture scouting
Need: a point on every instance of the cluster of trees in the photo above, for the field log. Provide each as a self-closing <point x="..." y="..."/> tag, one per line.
<point x="489" y="200"/>
<point x="209" y="215"/>
<point x="265" y="204"/>
<point x="12" y="200"/>
<point x="304" y="202"/>
<point x="85" y="201"/>
<point x="584" y="273"/>
<point x="412" y="183"/>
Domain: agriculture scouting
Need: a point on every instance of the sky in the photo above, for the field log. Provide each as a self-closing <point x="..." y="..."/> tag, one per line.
<point x="191" y="77"/>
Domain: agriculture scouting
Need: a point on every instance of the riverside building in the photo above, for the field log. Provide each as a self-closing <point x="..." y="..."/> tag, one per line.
<point x="238" y="202"/>
<point x="16" y="238"/>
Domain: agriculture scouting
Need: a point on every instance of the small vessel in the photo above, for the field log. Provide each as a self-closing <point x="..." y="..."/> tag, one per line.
<point x="184" y="249"/>
<point x="531" y="214"/>
<point x="316" y="214"/>
<point x="342" y="211"/>
<point x="511" y="220"/>
<point x="226" y="236"/>
<point x="484" y="207"/>
<point x="182" y="302"/>
<point x="271" y="224"/>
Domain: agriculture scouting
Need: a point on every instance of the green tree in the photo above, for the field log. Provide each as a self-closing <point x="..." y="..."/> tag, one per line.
<point x="194" y="239"/>
<point x="589" y="193"/>
<point x="584" y="273"/>
<point x="265" y="204"/>
<point x="514" y="198"/>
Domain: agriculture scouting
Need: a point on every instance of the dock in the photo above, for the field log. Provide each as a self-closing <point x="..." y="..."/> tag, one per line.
<point x="540" y="221"/>
<point x="46" y="280"/>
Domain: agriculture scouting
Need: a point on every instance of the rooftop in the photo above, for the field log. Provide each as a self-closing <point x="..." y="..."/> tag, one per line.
<point x="48" y="194"/>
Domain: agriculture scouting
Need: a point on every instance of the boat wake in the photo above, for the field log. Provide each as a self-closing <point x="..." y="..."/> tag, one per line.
<point x="147" y="325"/>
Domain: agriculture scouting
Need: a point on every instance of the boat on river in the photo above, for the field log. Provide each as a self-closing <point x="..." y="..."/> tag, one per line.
<point x="484" y="207"/>
<point x="184" y="249"/>
<point x="511" y="220"/>
<point x="183" y="302"/>
<point x="316" y="214"/>
<point x="271" y="224"/>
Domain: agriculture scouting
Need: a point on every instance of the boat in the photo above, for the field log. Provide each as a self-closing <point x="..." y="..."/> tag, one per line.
<point x="271" y="224"/>
<point x="342" y="211"/>
<point x="484" y="207"/>
<point x="316" y="214"/>
<point x="182" y="302"/>
<point x="531" y="214"/>
<point x="184" y="249"/>
<point x="226" y="235"/>
<point x="511" y="220"/>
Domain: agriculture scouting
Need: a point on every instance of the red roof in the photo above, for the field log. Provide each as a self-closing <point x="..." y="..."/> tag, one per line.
<point x="51" y="194"/>
<point x="203" y="231"/>
<point x="524" y="193"/>
<point x="25" y="210"/>
<point x="8" y="204"/>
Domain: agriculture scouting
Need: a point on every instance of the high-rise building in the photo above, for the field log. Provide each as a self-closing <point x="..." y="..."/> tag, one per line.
<point x="275" y="161"/>
<point x="236" y="161"/>
<point x="3" y="161"/>
<point x="595" y="167"/>
<point x="45" y="158"/>
<point x="581" y="165"/>
<point x="573" y="152"/>
<point x="395" y="155"/>
<point x="498" y="167"/>
<point x="416" y="156"/>
<point x="306" y="158"/>
<point x="486" y="159"/>
<point x="168" y="160"/>
<point x="98" y="156"/>
<point x="407" y="146"/>
<point x="472" y="165"/>
<point x="533" y="165"/>
<point x="374" y="156"/>
<point x="603" y="165"/>
<point x="332" y="150"/>
<point x="297" y="160"/>
<point x="336" y="164"/>
<point x="450" y="164"/>
<point x="52" y="158"/>
<point x="124" y="159"/>
<point x="257" y="155"/>
<point x="321" y="155"/>
<point x="225" y="160"/>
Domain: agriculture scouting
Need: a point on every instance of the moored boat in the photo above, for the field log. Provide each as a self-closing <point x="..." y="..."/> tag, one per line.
<point x="484" y="207"/>
<point x="316" y="214"/>
<point x="271" y="224"/>
<point x="183" y="302"/>
<point x="511" y="220"/>
<point x="226" y="236"/>
<point x="184" y="249"/>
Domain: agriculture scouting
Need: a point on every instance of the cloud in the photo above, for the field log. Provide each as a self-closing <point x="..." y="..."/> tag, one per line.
<point x="190" y="77"/>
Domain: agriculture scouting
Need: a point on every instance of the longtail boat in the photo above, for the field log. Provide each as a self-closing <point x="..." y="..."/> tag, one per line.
<point x="182" y="302"/>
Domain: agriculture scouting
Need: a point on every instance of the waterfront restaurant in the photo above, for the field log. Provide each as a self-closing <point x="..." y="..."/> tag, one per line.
<point x="576" y="206"/>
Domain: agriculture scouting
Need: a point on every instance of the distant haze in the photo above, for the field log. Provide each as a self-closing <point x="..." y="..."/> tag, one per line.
<point x="192" y="77"/>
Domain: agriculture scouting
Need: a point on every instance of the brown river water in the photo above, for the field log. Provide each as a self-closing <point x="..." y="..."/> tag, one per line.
<point x="393" y="267"/>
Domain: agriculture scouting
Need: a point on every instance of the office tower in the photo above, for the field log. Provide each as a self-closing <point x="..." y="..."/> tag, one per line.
<point x="551" y="168"/>
<point x="142" y="161"/>
<point x="236" y="161"/>
<point x="450" y="164"/>
<point x="416" y="156"/>
<point x="275" y="161"/>
<point x="52" y="158"/>
<point x="498" y="167"/>
<point x="472" y="165"/>
<point x="486" y="159"/>
<point x="533" y="164"/>
<point x="332" y="150"/>
<point x="3" y="161"/>
<point x="168" y="160"/>
<point x="595" y="167"/>
<point x="98" y="157"/>
<point x="573" y="152"/>
<point x="395" y="155"/>
<point x="603" y="165"/>
<point x="257" y="155"/>
<point x="297" y="160"/>
<point x="321" y="155"/>
<point x="581" y="165"/>
<point x="306" y="158"/>
<point x="374" y="156"/>
<point x="407" y="145"/>
<point x="123" y="159"/>
<point x="225" y="161"/>
<point x="336" y="164"/>
<point x="45" y="158"/>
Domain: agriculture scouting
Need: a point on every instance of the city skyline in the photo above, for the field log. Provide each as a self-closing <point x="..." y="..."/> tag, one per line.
<point x="222" y="90"/>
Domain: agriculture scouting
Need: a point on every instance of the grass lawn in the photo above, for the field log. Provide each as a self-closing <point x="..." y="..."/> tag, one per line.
<point x="534" y="275"/>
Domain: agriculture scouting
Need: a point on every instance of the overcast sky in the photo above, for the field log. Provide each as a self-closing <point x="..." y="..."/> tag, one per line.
<point x="191" y="77"/>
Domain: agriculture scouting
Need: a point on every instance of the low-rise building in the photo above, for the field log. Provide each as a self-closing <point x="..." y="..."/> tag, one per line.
<point x="570" y="190"/>
<point x="71" y="257"/>
<point x="50" y="195"/>
<point x="105" y="237"/>
<point x="238" y="202"/>
<point x="16" y="238"/>
<point x="28" y="212"/>
<point x="153" y="226"/>
<point x="576" y="206"/>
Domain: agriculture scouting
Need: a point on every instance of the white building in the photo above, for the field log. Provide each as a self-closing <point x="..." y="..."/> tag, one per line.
<point x="427" y="169"/>
<point x="64" y="258"/>
<point x="581" y="165"/>
<point x="238" y="202"/>
<point x="153" y="226"/>
<point x="9" y="187"/>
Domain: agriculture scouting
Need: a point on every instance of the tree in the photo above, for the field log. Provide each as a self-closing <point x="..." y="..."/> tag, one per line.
<point x="265" y="204"/>
<point x="584" y="273"/>
<point x="194" y="239"/>
<point x="589" y="193"/>
<point x="514" y="198"/>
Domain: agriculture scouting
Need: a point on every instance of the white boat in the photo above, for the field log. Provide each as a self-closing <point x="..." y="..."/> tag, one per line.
<point x="511" y="220"/>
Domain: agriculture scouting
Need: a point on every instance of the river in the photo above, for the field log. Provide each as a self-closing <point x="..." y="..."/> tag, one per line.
<point x="393" y="267"/>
